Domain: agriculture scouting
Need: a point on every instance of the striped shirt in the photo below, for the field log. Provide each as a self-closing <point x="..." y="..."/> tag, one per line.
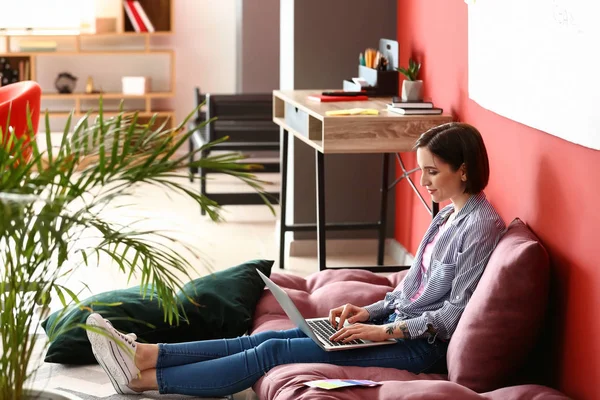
<point x="457" y="263"/>
<point x="427" y="252"/>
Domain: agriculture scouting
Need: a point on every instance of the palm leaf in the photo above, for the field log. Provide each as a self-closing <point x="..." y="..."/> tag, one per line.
<point x="49" y="201"/>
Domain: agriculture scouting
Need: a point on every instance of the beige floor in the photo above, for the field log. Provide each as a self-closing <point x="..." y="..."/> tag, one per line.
<point x="247" y="232"/>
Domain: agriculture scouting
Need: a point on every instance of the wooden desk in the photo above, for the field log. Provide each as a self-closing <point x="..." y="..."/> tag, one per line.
<point x="384" y="133"/>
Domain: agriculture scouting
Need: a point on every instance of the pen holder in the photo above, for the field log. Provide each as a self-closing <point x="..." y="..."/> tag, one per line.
<point x="384" y="83"/>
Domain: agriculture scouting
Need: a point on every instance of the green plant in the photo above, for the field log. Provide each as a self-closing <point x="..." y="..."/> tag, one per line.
<point x="49" y="201"/>
<point x="412" y="72"/>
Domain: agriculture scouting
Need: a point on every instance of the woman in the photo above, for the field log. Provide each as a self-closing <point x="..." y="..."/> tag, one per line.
<point x="422" y="313"/>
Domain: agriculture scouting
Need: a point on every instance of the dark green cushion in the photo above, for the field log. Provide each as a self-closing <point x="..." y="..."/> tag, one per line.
<point x="226" y="302"/>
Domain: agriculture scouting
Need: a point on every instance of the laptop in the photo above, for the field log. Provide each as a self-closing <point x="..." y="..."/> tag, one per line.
<point x="318" y="329"/>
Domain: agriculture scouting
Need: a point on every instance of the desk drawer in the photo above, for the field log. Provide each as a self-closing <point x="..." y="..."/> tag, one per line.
<point x="303" y="123"/>
<point x="296" y="119"/>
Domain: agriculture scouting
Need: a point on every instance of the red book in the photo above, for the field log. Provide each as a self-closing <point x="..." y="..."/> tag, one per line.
<point x="137" y="17"/>
<point x="327" y="99"/>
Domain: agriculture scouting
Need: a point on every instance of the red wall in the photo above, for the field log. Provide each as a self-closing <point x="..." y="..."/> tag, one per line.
<point x="551" y="184"/>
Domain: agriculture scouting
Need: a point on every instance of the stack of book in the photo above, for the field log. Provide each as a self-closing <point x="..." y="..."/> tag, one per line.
<point x="137" y="16"/>
<point x="413" y="107"/>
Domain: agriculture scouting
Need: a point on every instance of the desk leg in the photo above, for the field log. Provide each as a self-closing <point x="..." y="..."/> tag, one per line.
<point x="321" y="253"/>
<point x="383" y="208"/>
<point x="283" y="196"/>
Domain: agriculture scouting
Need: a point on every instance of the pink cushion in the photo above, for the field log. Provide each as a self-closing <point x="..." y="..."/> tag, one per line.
<point x="319" y="293"/>
<point x="510" y="300"/>
<point x="501" y="322"/>
<point x="286" y="382"/>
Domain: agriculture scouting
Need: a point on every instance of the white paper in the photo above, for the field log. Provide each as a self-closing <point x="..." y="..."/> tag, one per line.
<point x="536" y="62"/>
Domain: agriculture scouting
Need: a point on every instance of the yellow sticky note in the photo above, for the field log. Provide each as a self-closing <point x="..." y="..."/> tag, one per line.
<point x="353" y="111"/>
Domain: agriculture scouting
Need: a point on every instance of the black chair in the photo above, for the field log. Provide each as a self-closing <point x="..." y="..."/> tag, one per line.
<point x="247" y="119"/>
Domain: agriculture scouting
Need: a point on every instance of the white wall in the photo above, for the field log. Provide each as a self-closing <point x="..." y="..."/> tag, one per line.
<point x="205" y="44"/>
<point x="286" y="60"/>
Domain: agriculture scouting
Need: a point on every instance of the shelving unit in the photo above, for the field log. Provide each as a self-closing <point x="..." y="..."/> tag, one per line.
<point x="125" y="42"/>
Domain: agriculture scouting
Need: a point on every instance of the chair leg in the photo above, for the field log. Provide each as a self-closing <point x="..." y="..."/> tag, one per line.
<point x="191" y="160"/>
<point x="202" y="172"/>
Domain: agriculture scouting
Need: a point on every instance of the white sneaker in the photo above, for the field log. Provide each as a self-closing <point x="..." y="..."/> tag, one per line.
<point x="115" y="353"/>
<point x="120" y="389"/>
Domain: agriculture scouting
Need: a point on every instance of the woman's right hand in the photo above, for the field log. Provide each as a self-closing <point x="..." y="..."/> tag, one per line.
<point x="348" y="312"/>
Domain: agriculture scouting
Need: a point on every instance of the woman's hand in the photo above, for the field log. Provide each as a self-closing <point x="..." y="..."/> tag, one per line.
<point x="348" y="312"/>
<point x="374" y="333"/>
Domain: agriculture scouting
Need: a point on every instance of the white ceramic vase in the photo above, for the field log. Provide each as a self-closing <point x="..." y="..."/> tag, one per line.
<point x="412" y="90"/>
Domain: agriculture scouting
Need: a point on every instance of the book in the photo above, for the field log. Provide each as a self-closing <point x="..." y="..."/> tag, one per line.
<point x="397" y="100"/>
<point x="327" y="99"/>
<point x="129" y="13"/>
<point x="414" y="111"/>
<point x="134" y="18"/>
<point x="412" y="104"/>
<point x="137" y="17"/>
<point x="143" y="16"/>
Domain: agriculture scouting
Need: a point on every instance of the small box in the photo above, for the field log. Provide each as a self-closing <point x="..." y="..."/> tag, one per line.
<point x="106" y="25"/>
<point x="384" y="83"/>
<point x="136" y="85"/>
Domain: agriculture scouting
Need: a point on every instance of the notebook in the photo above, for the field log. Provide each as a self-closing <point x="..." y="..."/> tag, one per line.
<point x="318" y="329"/>
<point x="414" y="111"/>
<point x="411" y="104"/>
<point x="327" y="99"/>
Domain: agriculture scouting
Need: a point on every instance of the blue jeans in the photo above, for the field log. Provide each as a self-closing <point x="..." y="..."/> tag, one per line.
<point x="222" y="367"/>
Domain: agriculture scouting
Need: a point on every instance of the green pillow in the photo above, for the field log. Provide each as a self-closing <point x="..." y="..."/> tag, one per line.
<point x="226" y="302"/>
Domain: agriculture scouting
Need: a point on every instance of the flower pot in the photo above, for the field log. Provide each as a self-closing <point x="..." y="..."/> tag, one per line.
<point x="48" y="394"/>
<point x="412" y="90"/>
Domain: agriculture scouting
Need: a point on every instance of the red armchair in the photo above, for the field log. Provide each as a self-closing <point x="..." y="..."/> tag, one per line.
<point x="14" y="99"/>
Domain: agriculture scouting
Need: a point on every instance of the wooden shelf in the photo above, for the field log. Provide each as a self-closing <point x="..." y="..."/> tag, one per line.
<point x="84" y="96"/>
<point x="123" y="43"/>
<point x="126" y="34"/>
<point x="87" y="35"/>
<point x="23" y="65"/>
<point x="84" y="53"/>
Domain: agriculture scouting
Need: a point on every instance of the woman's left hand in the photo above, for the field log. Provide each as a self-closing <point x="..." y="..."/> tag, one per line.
<point x="374" y="333"/>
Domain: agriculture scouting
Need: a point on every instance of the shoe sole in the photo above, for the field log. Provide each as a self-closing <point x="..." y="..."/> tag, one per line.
<point x="115" y="384"/>
<point x="106" y="352"/>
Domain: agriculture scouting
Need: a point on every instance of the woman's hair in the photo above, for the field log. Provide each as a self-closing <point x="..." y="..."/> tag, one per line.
<point x="457" y="143"/>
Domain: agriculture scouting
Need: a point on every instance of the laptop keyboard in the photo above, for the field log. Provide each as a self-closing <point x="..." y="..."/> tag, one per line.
<point x="324" y="330"/>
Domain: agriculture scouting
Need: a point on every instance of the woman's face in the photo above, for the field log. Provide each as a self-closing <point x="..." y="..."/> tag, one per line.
<point x="438" y="178"/>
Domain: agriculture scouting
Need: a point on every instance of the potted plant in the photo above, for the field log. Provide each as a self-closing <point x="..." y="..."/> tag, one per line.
<point x="49" y="199"/>
<point x="412" y="88"/>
